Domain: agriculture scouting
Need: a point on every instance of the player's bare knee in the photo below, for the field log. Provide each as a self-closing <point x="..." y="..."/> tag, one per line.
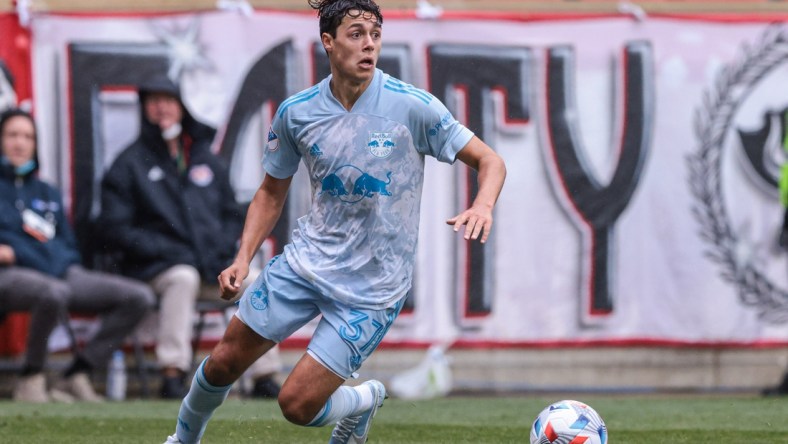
<point x="295" y="410"/>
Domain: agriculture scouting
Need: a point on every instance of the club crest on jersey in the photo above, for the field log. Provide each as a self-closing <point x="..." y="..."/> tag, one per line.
<point x="273" y="140"/>
<point x="381" y="144"/>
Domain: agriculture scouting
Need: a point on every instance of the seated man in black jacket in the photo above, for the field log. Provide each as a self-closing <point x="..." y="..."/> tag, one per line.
<point x="40" y="272"/>
<point x="168" y="206"/>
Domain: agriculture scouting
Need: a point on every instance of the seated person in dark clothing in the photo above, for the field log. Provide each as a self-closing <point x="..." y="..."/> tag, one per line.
<point x="40" y="272"/>
<point x="167" y="205"/>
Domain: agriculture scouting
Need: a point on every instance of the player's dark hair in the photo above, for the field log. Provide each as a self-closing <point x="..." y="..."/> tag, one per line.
<point x="331" y="12"/>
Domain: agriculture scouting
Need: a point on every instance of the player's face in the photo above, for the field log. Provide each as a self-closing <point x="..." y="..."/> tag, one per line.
<point x="18" y="140"/>
<point x="354" y="52"/>
<point x="162" y="109"/>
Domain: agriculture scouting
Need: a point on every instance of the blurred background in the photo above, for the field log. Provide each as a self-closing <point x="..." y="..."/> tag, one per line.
<point x="636" y="239"/>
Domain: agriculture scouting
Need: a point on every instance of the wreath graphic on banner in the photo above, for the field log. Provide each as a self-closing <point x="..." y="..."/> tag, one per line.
<point x="733" y="84"/>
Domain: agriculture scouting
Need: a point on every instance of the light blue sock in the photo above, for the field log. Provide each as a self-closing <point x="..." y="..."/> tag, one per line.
<point x="198" y="406"/>
<point x="346" y="401"/>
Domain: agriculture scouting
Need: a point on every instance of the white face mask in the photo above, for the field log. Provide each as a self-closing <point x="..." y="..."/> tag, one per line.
<point x="172" y="132"/>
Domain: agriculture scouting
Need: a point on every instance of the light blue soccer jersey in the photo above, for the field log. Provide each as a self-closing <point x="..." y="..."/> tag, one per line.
<point x="366" y="166"/>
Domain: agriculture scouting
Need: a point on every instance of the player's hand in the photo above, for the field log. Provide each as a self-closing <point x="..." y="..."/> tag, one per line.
<point x="230" y="280"/>
<point x="477" y="220"/>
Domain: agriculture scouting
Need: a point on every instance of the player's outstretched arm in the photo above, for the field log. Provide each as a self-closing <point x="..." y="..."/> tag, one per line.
<point x="264" y="211"/>
<point x="492" y="172"/>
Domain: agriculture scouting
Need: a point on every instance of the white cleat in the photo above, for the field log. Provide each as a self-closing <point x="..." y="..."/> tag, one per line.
<point x="355" y="429"/>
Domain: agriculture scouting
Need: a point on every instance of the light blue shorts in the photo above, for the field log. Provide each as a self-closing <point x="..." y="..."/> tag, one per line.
<point x="279" y="302"/>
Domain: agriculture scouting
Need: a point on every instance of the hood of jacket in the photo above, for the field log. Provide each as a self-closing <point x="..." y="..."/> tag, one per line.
<point x="150" y="133"/>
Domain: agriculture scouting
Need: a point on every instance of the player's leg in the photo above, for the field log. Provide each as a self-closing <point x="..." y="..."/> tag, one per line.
<point x="263" y="375"/>
<point x="314" y="396"/>
<point x="343" y="340"/>
<point x="304" y="395"/>
<point x="264" y="370"/>
<point x="239" y="347"/>
<point x="354" y="428"/>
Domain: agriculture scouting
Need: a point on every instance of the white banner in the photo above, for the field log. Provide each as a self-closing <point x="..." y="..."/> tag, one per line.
<point x="641" y="202"/>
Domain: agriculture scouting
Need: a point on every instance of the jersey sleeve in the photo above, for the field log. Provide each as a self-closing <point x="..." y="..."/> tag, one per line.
<point x="438" y="133"/>
<point x="281" y="156"/>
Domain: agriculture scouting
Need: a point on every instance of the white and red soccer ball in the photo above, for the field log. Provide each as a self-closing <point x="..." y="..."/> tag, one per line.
<point x="568" y="422"/>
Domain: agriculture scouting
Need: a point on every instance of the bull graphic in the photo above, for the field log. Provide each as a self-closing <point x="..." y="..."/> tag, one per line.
<point x="333" y="185"/>
<point x="386" y="143"/>
<point x="366" y="185"/>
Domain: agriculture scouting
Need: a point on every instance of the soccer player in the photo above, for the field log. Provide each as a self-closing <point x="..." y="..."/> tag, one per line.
<point x="362" y="136"/>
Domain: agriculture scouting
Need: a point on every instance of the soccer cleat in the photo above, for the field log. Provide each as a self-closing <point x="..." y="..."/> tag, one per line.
<point x="343" y="431"/>
<point x="355" y="429"/>
<point x="174" y="440"/>
<point x="31" y="389"/>
<point x="78" y="385"/>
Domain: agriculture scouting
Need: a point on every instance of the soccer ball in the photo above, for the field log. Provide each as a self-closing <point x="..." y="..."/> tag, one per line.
<point x="568" y="422"/>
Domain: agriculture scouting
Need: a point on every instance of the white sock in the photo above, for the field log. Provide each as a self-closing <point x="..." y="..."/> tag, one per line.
<point x="346" y="401"/>
<point x="198" y="406"/>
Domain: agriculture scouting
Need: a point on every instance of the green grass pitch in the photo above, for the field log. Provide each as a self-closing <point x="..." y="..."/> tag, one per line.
<point x="635" y="419"/>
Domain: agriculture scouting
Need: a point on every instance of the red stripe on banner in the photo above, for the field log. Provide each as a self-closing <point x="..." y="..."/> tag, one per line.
<point x="119" y="88"/>
<point x="300" y="343"/>
<point x="15" y="52"/>
<point x="730" y="17"/>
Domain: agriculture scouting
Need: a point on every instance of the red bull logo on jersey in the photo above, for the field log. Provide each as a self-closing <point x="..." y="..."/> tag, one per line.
<point x="350" y="184"/>
<point x="381" y="144"/>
